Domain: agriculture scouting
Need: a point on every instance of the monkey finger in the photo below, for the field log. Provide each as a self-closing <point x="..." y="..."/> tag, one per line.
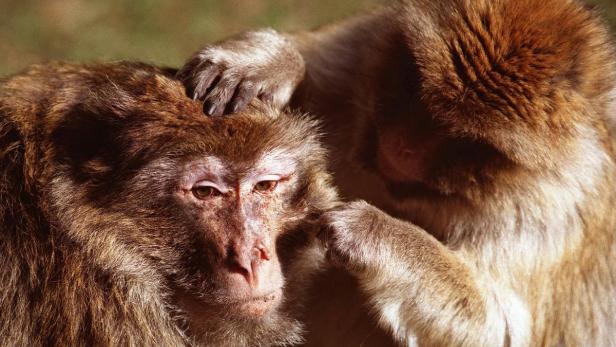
<point x="186" y="71"/>
<point x="328" y="241"/>
<point x="220" y="95"/>
<point x="204" y="79"/>
<point x="246" y="91"/>
<point x="187" y="75"/>
<point x="267" y="97"/>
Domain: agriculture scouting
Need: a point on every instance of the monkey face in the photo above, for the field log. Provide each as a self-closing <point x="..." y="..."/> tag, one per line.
<point x="236" y="214"/>
<point x="231" y="219"/>
<point x="416" y="156"/>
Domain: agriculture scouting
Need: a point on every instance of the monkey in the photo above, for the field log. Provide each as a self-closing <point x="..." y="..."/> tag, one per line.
<point x="129" y="219"/>
<point x="473" y="143"/>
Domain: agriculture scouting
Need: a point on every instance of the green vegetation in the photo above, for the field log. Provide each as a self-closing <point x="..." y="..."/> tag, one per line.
<point x="163" y="32"/>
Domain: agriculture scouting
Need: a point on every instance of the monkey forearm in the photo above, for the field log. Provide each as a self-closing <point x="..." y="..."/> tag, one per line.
<point x="338" y="58"/>
<point x="424" y="291"/>
<point x="420" y="288"/>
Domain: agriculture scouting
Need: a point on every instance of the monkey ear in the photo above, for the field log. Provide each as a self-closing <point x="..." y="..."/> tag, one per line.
<point x="88" y="143"/>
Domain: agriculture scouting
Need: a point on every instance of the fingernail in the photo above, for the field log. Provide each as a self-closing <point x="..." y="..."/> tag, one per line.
<point x="209" y="109"/>
<point x="235" y="108"/>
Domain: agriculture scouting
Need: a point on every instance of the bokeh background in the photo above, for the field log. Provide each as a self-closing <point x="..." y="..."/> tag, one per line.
<point x="164" y="32"/>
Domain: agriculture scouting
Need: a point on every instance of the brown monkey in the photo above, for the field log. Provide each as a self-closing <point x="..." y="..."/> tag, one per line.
<point x="481" y="134"/>
<point x="129" y="219"/>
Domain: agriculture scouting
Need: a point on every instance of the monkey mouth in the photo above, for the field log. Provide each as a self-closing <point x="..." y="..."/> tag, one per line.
<point x="399" y="168"/>
<point x="231" y="306"/>
<point x="257" y="306"/>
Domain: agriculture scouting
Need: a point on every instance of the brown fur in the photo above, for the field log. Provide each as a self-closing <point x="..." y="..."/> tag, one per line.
<point x="499" y="116"/>
<point x="93" y="246"/>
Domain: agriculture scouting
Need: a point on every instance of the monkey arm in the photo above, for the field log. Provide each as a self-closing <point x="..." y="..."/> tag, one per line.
<point x="419" y="288"/>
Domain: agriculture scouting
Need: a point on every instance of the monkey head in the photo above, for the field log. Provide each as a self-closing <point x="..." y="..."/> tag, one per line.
<point x="486" y="101"/>
<point x="213" y="212"/>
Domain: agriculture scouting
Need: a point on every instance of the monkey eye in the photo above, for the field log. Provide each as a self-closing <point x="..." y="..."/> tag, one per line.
<point x="265" y="186"/>
<point x="203" y="192"/>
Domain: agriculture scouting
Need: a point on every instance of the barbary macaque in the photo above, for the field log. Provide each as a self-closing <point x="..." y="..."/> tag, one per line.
<point x="129" y="219"/>
<point x="480" y="136"/>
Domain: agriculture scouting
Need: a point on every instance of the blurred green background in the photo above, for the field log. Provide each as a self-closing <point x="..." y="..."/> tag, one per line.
<point x="161" y="32"/>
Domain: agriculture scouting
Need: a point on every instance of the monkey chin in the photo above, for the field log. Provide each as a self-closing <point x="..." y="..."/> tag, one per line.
<point x="260" y="320"/>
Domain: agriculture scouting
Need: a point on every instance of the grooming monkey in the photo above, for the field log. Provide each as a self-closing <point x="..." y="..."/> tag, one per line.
<point x="129" y="219"/>
<point x="480" y="135"/>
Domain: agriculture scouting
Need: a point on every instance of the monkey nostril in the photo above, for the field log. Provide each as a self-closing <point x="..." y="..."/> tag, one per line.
<point x="244" y="268"/>
<point x="261" y="252"/>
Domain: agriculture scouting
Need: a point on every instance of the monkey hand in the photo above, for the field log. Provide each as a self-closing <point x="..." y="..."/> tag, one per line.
<point x="355" y="236"/>
<point x="361" y="238"/>
<point x="227" y="76"/>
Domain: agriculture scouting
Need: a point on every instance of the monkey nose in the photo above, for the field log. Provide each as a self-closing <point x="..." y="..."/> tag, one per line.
<point x="246" y="261"/>
<point x="261" y="251"/>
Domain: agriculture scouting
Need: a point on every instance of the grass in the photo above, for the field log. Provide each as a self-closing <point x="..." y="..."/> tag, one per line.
<point x="162" y="32"/>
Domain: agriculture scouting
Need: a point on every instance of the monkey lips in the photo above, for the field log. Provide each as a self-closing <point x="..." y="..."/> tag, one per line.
<point x="257" y="306"/>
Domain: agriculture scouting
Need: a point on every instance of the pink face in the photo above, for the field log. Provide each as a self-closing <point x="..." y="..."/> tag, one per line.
<point x="240" y="212"/>
<point x="403" y="158"/>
